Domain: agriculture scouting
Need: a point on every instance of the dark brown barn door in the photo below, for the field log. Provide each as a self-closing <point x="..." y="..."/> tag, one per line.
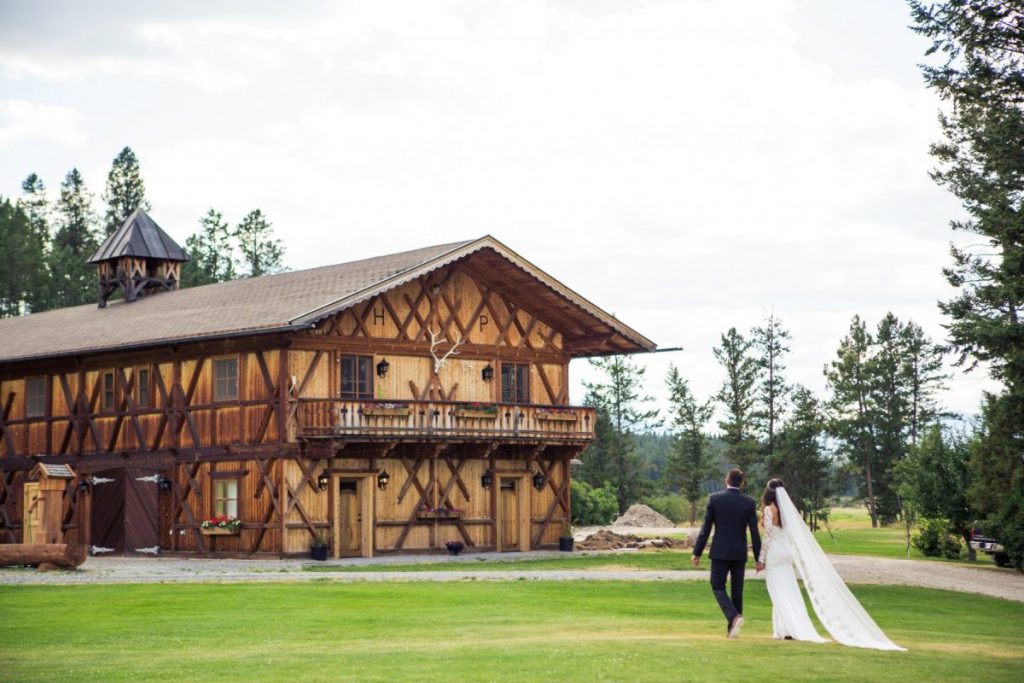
<point x="142" y="511"/>
<point x="107" y="517"/>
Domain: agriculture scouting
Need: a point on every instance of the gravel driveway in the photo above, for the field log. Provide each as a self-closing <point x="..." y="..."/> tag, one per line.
<point x="854" y="569"/>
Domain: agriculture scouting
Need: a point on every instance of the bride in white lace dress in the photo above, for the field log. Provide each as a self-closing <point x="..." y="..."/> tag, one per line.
<point x="788" y="546"/>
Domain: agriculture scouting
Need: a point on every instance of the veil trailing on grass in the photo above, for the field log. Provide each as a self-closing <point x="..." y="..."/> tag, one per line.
<point x="837" y="609"/>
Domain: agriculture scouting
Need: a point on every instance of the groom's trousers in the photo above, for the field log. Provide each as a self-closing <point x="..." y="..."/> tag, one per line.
<point x="733" y="569"/>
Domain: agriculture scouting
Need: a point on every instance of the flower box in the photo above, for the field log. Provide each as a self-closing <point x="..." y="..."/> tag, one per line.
<point x="557" y="415"/>
<point x="372" y="411"/>
<point x="217" y="531"/>
<point x="221" y="526"/>
<point x="476" y="414"/>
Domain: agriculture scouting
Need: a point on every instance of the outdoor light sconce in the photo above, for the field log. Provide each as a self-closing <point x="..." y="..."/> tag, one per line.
<point x="382" y="367"/>
<point x="487" y="373"/>
<point x="487" y="479"/>
<point x="538" y="481"/>
<point x="163" y="484"/>
<point x="323" y="481"/>
<point x="382" y="479"/>
<point x="83" y="487"/>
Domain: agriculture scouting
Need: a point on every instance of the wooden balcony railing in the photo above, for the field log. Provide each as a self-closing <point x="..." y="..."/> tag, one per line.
<point x="444" y="419"/>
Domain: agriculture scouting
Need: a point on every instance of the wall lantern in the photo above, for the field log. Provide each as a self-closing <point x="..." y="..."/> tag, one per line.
<point x="538" y="481"/>
<point x="487" y="479"/>
<point x="164" y="484"/>
<point x="382" y="479"/>
<point x="323" y="481"/>
<point x="382" y="367"/>
<point x="83" y="487"/>
<point x="487" y="373"/>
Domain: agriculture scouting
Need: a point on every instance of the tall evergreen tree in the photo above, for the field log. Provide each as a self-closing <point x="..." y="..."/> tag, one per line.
<point x="18" y="256"/>
<point x="73" y="280"/>
<point x="981" y="75"/>
<point x="738" y="396"/>
<point x="262" y="254"/>
<point x="212" y="252"/>
<point x="125" y="191"/>
<point x="690" y="459"/>
<point x="850" y="408"/>
<point x="889" y="412"/>
<point x="37" y="207"/>
<point x="620" y="395"/>
<point x="770" y="344"/>
<point x="800" y="459"/>
<point x="925" y="378"/>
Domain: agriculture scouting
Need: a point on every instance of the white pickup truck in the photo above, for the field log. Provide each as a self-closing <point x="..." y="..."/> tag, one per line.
<point x="990" y="546"/>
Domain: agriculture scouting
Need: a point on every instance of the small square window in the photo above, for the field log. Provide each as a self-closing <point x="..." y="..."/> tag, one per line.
<point x="225" y="497"/>
<point x="35" y="397"/>
<point x="515" y="383"/>
<point x="357" y="377"/>
<point x="225" y="379"/>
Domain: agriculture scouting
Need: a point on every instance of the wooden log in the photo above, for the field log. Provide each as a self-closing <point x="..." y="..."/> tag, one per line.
<point x="60" y="554"/>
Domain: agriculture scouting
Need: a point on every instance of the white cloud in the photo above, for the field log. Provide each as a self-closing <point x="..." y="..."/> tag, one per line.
<point x="21" y="120"/>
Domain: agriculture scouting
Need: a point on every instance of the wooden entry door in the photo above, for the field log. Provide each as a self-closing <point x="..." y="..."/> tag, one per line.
<point x="141" y="511"/>
<point x="33" y="514"/>
<point x="106" y="517"/>
<point x="353" y="516"/>
<point x="349" y="519"/>
<point x="512" y="514"/>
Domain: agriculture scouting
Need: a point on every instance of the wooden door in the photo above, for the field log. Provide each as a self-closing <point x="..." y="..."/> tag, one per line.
<point x="106" y="517"/>
<point x="33" y="515"/>
<point x="349" y="519"/>
<point x="508" y="514"/>
<point x="141" y="511"/>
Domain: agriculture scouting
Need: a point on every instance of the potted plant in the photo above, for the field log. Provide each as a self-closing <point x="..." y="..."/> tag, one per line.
<point x="566" y="540"/>
<point x="318" y="548"/>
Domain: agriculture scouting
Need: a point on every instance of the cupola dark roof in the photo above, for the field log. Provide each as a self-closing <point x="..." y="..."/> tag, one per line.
<point x="141" y="237"/>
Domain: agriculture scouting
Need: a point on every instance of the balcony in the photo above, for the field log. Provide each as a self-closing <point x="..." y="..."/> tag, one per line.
<point x="444" y="420"/>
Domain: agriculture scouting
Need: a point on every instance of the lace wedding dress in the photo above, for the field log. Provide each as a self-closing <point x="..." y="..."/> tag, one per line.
<point x="789" y="614"/>
<point x="837" y="609"/>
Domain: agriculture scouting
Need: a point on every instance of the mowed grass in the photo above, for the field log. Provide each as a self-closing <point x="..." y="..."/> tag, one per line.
<point x="649" y="560"/>
<point x="478" y="631"/>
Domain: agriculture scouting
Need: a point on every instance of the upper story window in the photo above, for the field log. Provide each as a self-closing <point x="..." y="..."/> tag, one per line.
<point x="515" y="383"/>
<point x="35" y="397"/>
<point x="142" y="387"/>
<point x="225" y="379"/>
<point x="109" y="392"/>
<point x="357" y="376"/>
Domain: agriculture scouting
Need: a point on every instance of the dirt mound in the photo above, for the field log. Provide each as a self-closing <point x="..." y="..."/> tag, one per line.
<point x="609" y="540"/>
<point x="642" y="516"/>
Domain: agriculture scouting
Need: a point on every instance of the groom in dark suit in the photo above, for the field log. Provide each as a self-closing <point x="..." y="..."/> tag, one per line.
<point x="731" y="513"/>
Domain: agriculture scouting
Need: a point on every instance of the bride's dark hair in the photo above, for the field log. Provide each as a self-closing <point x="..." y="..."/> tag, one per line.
<point x="768" y="497"/>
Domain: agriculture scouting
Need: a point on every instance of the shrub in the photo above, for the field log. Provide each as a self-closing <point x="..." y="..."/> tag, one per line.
<point x="672" y="505"/>
<point x="593" y="506"/>
<point x="934" y="540"/>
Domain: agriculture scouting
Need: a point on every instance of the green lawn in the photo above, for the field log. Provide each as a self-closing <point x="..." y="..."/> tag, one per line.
<point x="643" y="560"/>
<point x="467" y="631"/>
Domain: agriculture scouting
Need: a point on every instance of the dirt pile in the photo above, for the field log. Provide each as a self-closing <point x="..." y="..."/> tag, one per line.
<point x="609" y="540"/>
<point x="643" y="516"/>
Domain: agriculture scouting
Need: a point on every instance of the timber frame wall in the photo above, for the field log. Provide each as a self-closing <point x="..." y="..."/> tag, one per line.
<point x="288" y="424"/>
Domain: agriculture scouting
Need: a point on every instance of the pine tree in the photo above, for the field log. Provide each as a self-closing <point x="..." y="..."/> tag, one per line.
<point x="851" y="420"/>
<point x="925" y="377"/>
<point x="889" y="412"/>
<point x="621" y="397"/>
<point x="125" y="191"/>
<point x="769" y="341"/>
<point x="982" y="77"/>
<point x="37" y="207"/>
<point x="738" y="397"/>
<point x="800" y="459"/>
<point x="261" y="253"/>
<point x="690" y="459"/>
<point x="74" y="280"/>
<point x="212" y="252"/>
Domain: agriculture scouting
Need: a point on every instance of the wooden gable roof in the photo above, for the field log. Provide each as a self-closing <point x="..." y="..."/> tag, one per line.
<point x="299" y="300"/>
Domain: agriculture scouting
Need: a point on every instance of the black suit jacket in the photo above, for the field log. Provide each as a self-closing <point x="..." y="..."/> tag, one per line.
<point x="731" y="513"/>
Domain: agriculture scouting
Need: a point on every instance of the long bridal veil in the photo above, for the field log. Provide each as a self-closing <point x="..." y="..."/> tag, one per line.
<point x="837" y="609"/>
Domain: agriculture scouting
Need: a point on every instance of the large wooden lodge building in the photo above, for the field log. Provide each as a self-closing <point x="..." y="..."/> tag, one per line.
<point x="389" y="404"/>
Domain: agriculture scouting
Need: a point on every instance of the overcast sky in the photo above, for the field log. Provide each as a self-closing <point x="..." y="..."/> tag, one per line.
<point x="689" y="166"/>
